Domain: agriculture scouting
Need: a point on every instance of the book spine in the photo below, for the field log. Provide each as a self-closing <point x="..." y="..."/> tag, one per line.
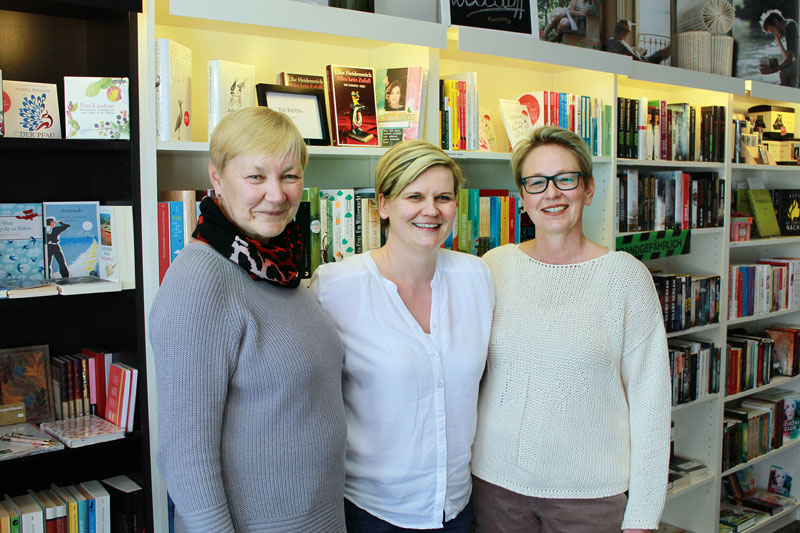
<point x="162" y="89"/>
<point x="332" y="105"/>
<point x="163" y="240"/>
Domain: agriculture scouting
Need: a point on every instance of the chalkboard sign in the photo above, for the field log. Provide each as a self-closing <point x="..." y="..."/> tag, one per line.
<point x="508" y="15"/>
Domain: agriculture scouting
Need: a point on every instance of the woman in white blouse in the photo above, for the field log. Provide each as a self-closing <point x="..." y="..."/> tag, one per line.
<point x="415" y="320"/>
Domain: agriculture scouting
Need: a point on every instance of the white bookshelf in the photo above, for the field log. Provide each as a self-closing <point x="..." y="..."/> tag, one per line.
<point x="284" y="35"/>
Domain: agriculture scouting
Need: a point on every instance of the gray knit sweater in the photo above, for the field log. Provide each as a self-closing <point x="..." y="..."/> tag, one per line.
<point x="250" y="415"/>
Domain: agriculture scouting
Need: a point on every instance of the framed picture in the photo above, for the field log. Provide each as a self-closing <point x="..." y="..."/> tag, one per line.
<point x="519" y="17"/>
<point x="306" y="108"/>
<point x="25" y="377"/>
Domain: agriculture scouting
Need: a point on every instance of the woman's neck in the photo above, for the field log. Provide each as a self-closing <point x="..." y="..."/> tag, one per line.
<point x="562" y="249"/>
<point x="405" y="267"/>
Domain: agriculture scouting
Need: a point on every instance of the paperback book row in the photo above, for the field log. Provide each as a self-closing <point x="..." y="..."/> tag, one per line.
<point x="687" y="300"/>
<point x="695" y="369"/>
<point x="68" y="386"/>
<point x="752" y="361"/>
<point x="364" y="106"/>
<point x="112" y="504"/>
<point x="338" y="223"/>
<point x="584" y="115"/>
<point x="94" y="108"/>
<point x="669" y="199"/>
<point x="656" y="130"/>
<point x="771" y="284"/>
<point x="65" y="248"/>
<point x="741" y="490"/>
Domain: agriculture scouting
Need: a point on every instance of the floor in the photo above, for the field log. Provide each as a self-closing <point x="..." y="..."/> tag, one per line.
<point x="794" y="527"/>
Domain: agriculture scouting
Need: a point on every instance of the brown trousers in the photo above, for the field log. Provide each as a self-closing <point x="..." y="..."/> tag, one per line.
<point x="498" y="510"/>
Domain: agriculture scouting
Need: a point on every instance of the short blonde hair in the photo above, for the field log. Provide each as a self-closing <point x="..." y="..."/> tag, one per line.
<point x="556" y="136"/>
<point x="256" y="130"/>
<point x="405" y="161"/>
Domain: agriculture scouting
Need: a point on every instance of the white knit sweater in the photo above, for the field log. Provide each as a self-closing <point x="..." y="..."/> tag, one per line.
<point x="575" y="402"/>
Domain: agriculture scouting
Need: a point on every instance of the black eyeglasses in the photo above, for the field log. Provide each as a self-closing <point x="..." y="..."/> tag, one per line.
<point x="564" y="181"/>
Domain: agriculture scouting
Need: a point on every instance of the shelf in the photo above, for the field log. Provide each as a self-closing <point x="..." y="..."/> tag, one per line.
<point x="696" y="231"/>
<point x="769" y="455"/>
<point x="554" y="57"/>
<point x="672" y="493"/>
<point x="302" y="21"/>
<point x="649" y="72"/>
<point x="682" y="406"/>
<point x="768" y="520"/>
<point x="776" y="382"/>
<point x="683" y="165"/>
<point x="11" y="144"/>
<point x="770" y="168"/>
<point x="691" y="331"/>
<point x="765" y="242"/>
<point x="753" y="318"/>
<point x="770" y="91"/>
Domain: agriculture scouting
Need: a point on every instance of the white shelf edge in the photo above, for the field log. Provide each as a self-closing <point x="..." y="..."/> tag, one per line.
<point x="770" y="91"/>
<point x="314" y="18"/>
<point x="705" y="399"/>
<point x="764" y="242"/>
<point x="529" y="48"/>
<point x="753" y="318"/>
<point x="692" y="330"/>
<point x="766" y="520"/>
<point x="776" y="382"/>
<point x="696" y="231"/>
<point x="649" y="72"/>
<point x="771" y="168"/>
<point x="623" y="162"/>
<point x="760" y="458"/>
<point x="672" y="493"/>
<point x="479" y="156"/>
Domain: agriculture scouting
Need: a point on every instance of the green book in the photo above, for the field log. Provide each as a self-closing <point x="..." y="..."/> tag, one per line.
<point x="763" y="212"/>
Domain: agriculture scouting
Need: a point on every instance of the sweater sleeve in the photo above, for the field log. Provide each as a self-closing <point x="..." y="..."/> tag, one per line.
<point x="194" y="331"/>
<point x="645" y="376"/>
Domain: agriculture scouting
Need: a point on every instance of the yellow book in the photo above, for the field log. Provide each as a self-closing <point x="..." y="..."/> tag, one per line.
<point x="72" y="507"/>
<point x="5" y="520"/>
<point x="451" y="91"/>
<point x="503" y="220"/>
<point x="763" y="212"/>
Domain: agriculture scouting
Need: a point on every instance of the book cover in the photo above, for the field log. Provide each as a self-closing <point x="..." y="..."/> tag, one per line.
<point x="763" y="212"/>
<point x="83" y="430"/>
<point x="31" y="515"/>
<point x="16" y="448"/>
<point x="788" y="211"/>
<point x="780" y="481"/>
<point x="231" y="86"/>
<point x="71" y="504"/>
<point x="309" y="81"/>
<point x="351" y="98"/>
<point x="127" y="503"/>
<point x="62" y="523"/>
<point x="31" y="110"/>
<point x="82" y="507"/>
<point x="488" y="137"/>
<point x="118" y="395"/>
<point x="25" y="377"/>
<point x="71" y="238"/>
<point x="133" y="378"/>
<point x="516" y="120"/>
<point x="102" y="504"/>
<point x="536" y="104"/>
<point x="747" y="481"/>
<point x="21" y="244"/>
<point x="49" y="509"/>
<point x="2" y="124"/>
<point x="97" y="108"/>
<point x="173" y="91"/>
<point x="399" y="102"/>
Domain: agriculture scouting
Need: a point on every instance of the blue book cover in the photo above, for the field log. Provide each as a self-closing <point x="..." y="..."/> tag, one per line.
<point x="72" y="237"/>
<point x="175" y="228"/>
<point x="494" y="222"/>
<point x="21" y="244"/>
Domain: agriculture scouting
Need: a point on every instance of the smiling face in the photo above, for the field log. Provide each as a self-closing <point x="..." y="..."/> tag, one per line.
<point x="259" y="193"/>
<point x="393" y="97"/>
<point x="555" y="211"/>
<point x="422" y="215"/>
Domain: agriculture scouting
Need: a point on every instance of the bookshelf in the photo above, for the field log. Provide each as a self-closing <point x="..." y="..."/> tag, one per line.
<point x="44" y="41"/>
<point x="300" y="37"/>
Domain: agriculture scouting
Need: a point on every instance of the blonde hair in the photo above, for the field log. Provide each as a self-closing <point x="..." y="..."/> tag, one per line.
<point x="256" y="130"/>
<point x="556" y="136"/>
<point x="405" y="161"/>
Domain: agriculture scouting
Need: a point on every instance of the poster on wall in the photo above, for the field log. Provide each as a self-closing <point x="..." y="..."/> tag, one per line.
<point x="574" y="22"/>
<point x="766" y="37"/>
<point x="508" y="15"/>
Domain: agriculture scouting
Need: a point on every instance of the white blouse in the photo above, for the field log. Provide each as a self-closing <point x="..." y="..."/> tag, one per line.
<point x="410" y="397"/>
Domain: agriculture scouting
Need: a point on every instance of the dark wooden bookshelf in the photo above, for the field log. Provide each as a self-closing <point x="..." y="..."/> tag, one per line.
<point x="43" y="41"/>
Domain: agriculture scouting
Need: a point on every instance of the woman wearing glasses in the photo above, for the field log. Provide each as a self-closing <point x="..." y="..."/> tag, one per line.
<point x="574" y="408"/>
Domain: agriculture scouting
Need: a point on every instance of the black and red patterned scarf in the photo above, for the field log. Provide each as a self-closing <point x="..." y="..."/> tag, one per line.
<point x="275" y="262"/>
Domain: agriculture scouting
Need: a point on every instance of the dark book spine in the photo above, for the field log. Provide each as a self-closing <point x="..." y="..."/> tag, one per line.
<point x="621" y="127"/>
<point x="634" y="122"/>
<point x="622" y="209"/>
<point x="359" y="228"/>
<point x="692" y="134"/>
<point x="332" y="105"/>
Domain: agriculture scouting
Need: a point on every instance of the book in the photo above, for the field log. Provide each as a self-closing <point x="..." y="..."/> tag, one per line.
<point x="21" y="244"/>
<point x="31" y="110"/>
<point x="399" y="93"/>
<point x="25" y="375"/>
<point x="85" y="285"/>
<point x="351" y="99"/>
<point x="788" y="211"/>
<point x="70" y="502"/>
<point x="173" y="91"/>
<point x="72" y="235"/>
<point x="780" y="481"/>
<point x="102" y="365"/>
<point x="516" y="120"/>
<point x="309" y="81"/>
<point x="82" y="505"/>
<point x="97" y="108"/>
<point x="738" y="518"/>
<point x="118" y="395"/>
<point x="102" y="504"/>
<point x="14" y="449"/>
<point x="127" y="503"/>
<point x="763" y="212"/>
<point x="31" y="515"/>
<point x="488" y="137"/>
<point x="61" y="519"/>
<point x="116" y="258"/>
<point x="48" y="508"/>
<point x="231" y="86"/>
<point x="133" y="378"/>
<point x="83" y="431"/>
<point x="2" y="124"/>
<point x="747" y="481"/>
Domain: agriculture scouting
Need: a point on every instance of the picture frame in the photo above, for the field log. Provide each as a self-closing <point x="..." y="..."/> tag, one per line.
<point x="517" y="17"/>
<point x="305" y="106"/>
<point x="25" y="377"/>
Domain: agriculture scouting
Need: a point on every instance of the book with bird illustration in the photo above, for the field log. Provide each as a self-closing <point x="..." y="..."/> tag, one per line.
<point x="173" y="91"/>
<point x="231" y="86"/>
<point x="72" y="236"/>
<point x="31" y="110"/>
<point x="96" y="108"/>
<point x="21" y="244"/>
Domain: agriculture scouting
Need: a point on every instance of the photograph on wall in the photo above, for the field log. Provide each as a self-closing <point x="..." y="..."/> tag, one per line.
<point x="765" y="32"/>
<point x="573" y="22"/>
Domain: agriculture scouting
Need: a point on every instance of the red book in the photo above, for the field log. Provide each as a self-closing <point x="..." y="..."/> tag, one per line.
<point x="116" y="399"/>
<point x="512" y="219"/>
<point x="462" y="114"/>
<point x="493" y="192"/>
<point x="100" y="377"/>
<point x="163" y="240"/>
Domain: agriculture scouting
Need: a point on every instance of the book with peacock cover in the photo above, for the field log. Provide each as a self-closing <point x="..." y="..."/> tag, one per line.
<point x="31" y="110"/>
<point x="97" y="108"/>
<point x="72" y="234"/>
